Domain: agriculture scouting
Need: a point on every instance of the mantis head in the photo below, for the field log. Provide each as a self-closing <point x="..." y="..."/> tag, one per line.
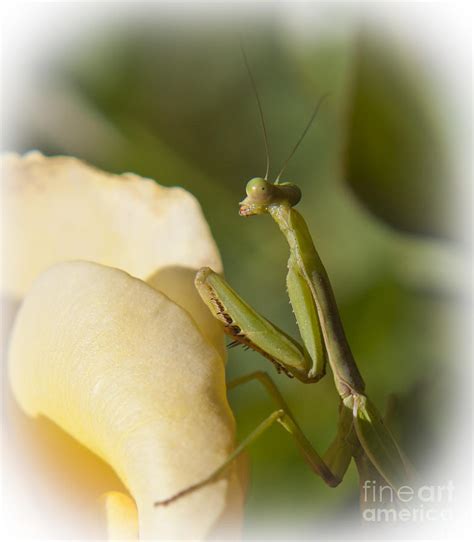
<point x="262" y="194"/>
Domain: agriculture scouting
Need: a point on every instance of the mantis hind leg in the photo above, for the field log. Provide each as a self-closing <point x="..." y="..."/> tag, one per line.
<point x="331" y="468"/>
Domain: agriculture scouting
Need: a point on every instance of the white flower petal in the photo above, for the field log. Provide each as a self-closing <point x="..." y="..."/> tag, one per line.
<point x="126" y="372"/>
<point x="122" y="517"/>
<point x="59" y="208"/>
<point x="178" y="284"/>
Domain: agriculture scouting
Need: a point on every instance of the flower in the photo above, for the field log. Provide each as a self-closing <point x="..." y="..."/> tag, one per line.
<point x="113" y="344"/>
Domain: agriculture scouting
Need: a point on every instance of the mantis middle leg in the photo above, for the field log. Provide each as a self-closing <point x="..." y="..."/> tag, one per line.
<point x="331" y="468"/>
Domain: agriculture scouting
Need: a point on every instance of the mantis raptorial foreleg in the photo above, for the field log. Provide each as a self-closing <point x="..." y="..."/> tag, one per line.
<point x="251" y="329"/>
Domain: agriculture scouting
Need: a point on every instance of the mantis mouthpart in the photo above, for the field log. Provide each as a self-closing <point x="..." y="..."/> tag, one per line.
<point x="361" y="430"/>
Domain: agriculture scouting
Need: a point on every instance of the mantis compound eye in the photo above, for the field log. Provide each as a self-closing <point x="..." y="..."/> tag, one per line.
<point x="259" y="190"/>
<point x="290" y="192"/>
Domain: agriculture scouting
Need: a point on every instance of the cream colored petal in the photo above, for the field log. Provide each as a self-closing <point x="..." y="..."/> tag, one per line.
<point x="178" y="284"/>
<point x="125" y="371"/>
<point x="60" y="208"/>
<point x="122" y="516"/>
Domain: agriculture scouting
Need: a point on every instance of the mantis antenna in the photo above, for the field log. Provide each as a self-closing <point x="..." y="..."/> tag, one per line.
<point x="313" y="116"/>
<point x="254" y="87"/>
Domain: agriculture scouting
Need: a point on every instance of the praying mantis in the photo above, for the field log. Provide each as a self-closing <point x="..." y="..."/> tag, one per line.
<point x="361" y="433"/>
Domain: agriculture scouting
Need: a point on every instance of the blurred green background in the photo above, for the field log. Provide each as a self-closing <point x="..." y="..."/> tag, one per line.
<point x="172" y="101"/>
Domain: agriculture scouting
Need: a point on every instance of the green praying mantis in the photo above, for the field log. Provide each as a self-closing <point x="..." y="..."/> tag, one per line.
<point x="361" y="434"/>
